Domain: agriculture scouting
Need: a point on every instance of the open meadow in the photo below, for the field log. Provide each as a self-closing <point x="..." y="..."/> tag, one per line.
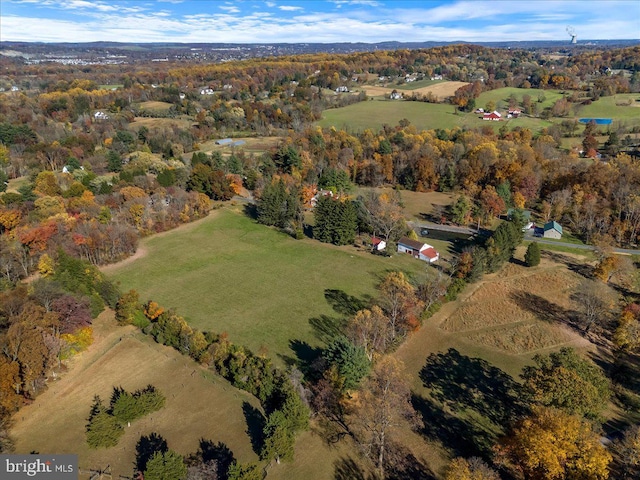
<point x="373" y="114"/>
<point x="264" y="288"/>
<point x="199" y="405"/>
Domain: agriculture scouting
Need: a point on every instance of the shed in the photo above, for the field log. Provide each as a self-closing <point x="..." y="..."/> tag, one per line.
<point x="378" y="244"/>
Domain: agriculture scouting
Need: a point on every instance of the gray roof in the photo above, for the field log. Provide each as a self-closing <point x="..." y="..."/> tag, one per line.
<point x="411" y="243"/>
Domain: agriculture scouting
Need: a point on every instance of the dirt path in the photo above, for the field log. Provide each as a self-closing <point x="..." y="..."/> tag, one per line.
<point x="142" y="249"/>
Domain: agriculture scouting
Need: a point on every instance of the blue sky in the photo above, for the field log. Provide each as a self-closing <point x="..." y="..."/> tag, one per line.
<point x="297" y="21"/>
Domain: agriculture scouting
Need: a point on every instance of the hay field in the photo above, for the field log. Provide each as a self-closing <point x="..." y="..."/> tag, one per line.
<point x="198" y="404"/>
<point x="507" y="312"/>
<point x="155" y="105"/>
<point x="441" y="90"/>
<point x="151" y="122"/>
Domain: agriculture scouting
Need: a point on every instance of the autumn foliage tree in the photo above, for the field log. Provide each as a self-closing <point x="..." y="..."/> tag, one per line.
<point x="565" y="380"/>
<point x="554" y="445"/>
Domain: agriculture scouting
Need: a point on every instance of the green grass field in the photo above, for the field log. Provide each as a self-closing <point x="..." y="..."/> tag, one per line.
<point x="425" y="116"/>
<point x="606" y="107"/>
<point x="373" y="114"/>
<point x="501" y="96"/>
<point x="228" y="273"/>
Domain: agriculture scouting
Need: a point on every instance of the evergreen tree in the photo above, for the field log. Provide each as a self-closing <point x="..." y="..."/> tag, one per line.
<point x="532" y="257"/>
<point x="247" y="471"/>
<point x="165" y="466"/>
<point x="277" y="206"/>
<point x="350" y="360"/>
<point x="279" y="438"/>
<point x="335" y="221"/>
<point x="103" y="429"/>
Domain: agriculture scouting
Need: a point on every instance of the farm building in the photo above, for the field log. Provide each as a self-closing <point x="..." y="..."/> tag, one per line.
<point x="419" y="250"/>
<point x="552" y="230"/>
<point x="515" y="112"/>
<point x="378" y="244"/>
<point x="494" y="116"/>
<point x="224" y="141"/>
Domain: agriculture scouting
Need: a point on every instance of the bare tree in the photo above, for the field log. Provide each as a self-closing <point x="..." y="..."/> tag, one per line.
<point x="385" y="405"/>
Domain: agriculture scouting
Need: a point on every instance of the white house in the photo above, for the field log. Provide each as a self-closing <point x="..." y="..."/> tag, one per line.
<point x="342" y="89"/>
<point x="100" y="116"/>
<point x="207" y="91"/>
<point x="419" y="250"/>
<point x="395" y="96"/>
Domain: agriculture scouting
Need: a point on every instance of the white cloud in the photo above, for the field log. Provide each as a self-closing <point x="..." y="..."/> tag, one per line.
<point x="229" y="9"/>
<point x="105" y="20"/>
<point x="270" y="4"/>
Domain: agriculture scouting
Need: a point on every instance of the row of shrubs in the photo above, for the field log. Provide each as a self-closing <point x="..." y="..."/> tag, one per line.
<point x="286" y="414"/>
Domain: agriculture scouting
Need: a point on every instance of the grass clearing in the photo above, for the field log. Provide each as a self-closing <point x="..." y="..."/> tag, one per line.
<point x="228" y="273"/>
<point x="198" y="403"/>
<point x="500" y="96"/>
<point x="151" y="122"/>
<point x="156" y="106"/>
<point x="375" y="113"/>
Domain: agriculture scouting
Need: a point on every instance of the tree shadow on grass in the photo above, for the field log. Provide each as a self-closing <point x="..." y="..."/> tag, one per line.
<point x="546" y="310"/>
<point x="343" y="303"/>
<point x="218" y="452"/>
<point x="251" y="210"/>
<point x="462" y="383"/>
<point x="347" y="468"/>
<point x="572" y="264"/>
<point x="255" y="426"/>
<point x="327" y="328"/>
<point x="306" y="358"/>
<point x="402" y="464"/>
<point x="146" y="447"/>
<point x="459" y="435"/>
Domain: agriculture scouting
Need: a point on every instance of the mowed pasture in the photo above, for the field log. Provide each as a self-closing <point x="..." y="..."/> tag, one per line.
<point x="228" y="273"/>
<point x="375" y="113"/>
<point x="199" y="405"/>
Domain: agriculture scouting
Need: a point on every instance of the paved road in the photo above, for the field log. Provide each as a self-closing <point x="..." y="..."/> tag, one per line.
<point x="624" y="251"/>
<point x="442" y="228"/>
<point x="527" y="236"/>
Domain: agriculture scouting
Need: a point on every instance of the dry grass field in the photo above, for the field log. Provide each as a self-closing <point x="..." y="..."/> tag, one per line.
<point x="518" y="311"/>
<point x="440" y="90"/>
<point x="151" y="122"/>
<point x="157" y="106"/>
<point x="198" y="404"/>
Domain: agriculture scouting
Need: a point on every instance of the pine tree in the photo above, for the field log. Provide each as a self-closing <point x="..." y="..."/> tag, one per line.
<point x="165" y="466"/>
<point x="532" y="257"/>
<point x="103" y="429"/>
